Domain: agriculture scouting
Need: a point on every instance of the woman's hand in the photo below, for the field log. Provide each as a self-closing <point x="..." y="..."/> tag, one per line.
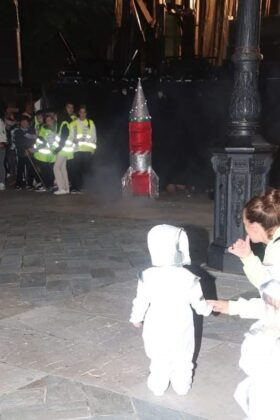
<point x="221" y="306"/>
<point x="241" y="248"/>
<point x="138" y="324"/>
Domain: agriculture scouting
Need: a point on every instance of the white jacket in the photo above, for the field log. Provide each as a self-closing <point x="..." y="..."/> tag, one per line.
<point x="254" y="269"/>
<point x="3" y="135"/>
<point x="258" y="394"/>
<point x="164" y="296"/>
<point x="257" y="272"/>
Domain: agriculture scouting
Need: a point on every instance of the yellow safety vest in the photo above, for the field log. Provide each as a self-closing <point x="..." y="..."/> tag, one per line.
<point x="68" y="149"/>
<point x="81" y="138"/>
<point x="43" y="147"/>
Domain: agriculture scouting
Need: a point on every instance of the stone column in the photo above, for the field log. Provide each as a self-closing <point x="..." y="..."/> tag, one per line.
<point x="242" y="166"/>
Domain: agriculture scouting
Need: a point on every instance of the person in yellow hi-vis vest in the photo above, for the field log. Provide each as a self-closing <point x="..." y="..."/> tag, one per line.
<point x="63" y="150"/>
<point x="83" y="136"/>
<point x="69" y="111"/>
<point x="43" y="152"/>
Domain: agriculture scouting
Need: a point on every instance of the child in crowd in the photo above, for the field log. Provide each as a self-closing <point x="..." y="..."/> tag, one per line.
<point x="261" y="217"/>
<point x="258" y="394"/>
<point x="163" y="303"/>
<point x="24" y="139"/>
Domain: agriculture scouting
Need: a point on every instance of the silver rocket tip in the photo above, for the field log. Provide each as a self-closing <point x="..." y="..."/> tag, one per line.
<point x="139" y="111"/>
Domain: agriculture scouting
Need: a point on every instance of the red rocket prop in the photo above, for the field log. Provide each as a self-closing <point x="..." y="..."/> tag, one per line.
<point x="140" y="179"/>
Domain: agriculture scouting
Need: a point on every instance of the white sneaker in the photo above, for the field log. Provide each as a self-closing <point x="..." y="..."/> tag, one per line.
<point x="158" y="389"/>
<point x="2" y="186"/>
<point x="41" y="189"/>
<point x="60" y="192"/>
<point x="181" y="387"/>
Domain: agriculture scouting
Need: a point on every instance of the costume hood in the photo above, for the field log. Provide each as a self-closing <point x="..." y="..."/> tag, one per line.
<point x="168" y="245"/>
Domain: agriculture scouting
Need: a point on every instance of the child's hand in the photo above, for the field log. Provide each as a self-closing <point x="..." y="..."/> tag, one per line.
<point x="138" y="324"/>
<point x="221" y="306"/>
<point x="241" y="248"/>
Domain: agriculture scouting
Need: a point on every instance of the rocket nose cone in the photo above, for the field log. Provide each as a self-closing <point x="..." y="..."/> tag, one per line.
<point x="139" y="110"/>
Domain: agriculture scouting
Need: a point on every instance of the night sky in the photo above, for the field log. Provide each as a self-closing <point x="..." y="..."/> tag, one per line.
<point x="86" y="25"/>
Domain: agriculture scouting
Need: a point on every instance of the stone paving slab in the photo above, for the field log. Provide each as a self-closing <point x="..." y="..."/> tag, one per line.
<point x="67" y="278"/>
<point x="13" y="377"/>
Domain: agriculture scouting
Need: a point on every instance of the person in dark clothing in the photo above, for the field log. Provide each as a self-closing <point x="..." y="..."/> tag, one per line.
<point x="24" y="138"/>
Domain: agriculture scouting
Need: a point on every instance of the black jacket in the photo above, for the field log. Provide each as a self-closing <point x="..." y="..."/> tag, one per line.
<point x="23" y="140"/>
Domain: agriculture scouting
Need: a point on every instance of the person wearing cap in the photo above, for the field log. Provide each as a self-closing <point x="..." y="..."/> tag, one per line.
<point x="69" y="111"/>
<point x="258" y="394"/>
<point x="165" y="293"/>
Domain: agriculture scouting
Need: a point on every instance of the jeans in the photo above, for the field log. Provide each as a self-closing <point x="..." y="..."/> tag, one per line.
<point x="60" y="173"/>
<point x="82" y="164"/>
<point x="2" y="165"/>
<point x="25" y="173"/>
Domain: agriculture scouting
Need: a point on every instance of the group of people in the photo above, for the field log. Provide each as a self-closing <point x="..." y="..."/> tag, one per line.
<point x="52" y="152"/>
<point x="167" y="290"/>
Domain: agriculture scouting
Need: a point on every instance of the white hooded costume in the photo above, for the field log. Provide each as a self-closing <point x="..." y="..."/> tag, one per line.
<point x="164" y="295"/>
<point x="258" y="394"/>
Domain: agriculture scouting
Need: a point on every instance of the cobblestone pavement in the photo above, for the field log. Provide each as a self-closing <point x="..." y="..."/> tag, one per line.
<point x="67" y="279"/>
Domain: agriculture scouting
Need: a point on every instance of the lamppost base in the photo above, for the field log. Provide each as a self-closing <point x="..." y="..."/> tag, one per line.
<point x="220" y="259"/>
<point x="241" y="173"/>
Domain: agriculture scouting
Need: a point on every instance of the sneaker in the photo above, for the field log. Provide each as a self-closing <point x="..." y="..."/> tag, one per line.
<point x="2" y="186"/>
<point x="157" y="388"/>
<point x="18" y="188"/>
<point x="41" y="189"/>
<point x="76" y="192"/>
<point x="60" y="192"/>
<point x="29" y="188"/>
<point x="180" y="385"/>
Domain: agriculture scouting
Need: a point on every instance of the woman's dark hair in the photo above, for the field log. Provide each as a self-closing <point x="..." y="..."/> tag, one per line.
<point x="265" y="210"/>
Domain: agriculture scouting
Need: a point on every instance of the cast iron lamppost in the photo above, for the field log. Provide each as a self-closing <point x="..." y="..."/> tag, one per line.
<point x="19" y="56"/>
<point x="242" y="166"/>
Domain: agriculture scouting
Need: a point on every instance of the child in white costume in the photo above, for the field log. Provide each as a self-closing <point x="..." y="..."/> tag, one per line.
<point x="258" y="394"/>
<point x="164" y="295"/>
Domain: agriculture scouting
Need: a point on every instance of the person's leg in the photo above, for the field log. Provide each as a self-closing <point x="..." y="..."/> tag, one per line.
<point x="42" y="169"/>
<point x="57" y="169"/>
<point x="69" y="166"/>
<point x="65" y="174"/>
<point x="77" y="171"/>
<point x="47" y="174"/>
<point x="50" y="175"/>
<point x="2" y="166"/>
<point x="158" y="380"/>
<point x="20" y="172"/>
<point x="181" y="362"/>
<point x="157" y="349"/>
<point x="36" y="169"/>
<point x="87" y="167"/>
<point x="31" y="173"/>
<point x="12" y="161"/>
<point x="74" y="170"/>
